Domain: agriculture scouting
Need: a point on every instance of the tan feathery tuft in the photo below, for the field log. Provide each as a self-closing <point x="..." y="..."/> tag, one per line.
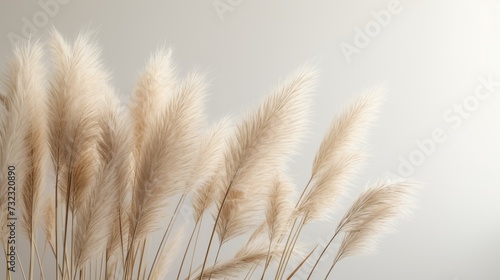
<point x="329" y="185"/>
<point x="96" y="217"/>
<point x="156" y="83"/>
<point x="349" y="128"/>
<point x="372" y="214"/>
<point x="124" y="170"/>
<point x="280" y="206"/>
<point x="210" y="155"/>
<point x="262" y="142"/>
<point x="244" y="259"/>
<point x="204" y="177"/>
<point x="30" y="83"/>
<point x="24" y="79"/>
<point x="73" y="99"/>
<point x="166" y="156"/>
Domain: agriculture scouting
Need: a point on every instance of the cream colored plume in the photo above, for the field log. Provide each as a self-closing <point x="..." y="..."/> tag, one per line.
<point x="280" y="206"/>
<point x="21" y="146"/>
<point x="236" y="266"/>
<point x="348" y="129"/>
<point x="98" y="213"/>
<point x="167" y="155"/>
<point x="263" y="141"/>
<point x="156" y="84"/>
<point x="74" y="97"/>
<point x="204" y="175"/>
<point x="372" y="214"/>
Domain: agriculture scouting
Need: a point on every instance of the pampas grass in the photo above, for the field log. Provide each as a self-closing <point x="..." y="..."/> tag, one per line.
<point x="103" y="180"/>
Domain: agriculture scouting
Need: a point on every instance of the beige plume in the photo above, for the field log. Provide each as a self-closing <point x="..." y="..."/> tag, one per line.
<point x="166" y="156"/>
<point x="372" y="214"/>
<point x="262" y="142"/>
<point x="156" y="83"/>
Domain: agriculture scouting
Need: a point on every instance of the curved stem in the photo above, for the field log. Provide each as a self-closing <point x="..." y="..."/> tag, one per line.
<point x="32" y="256"/>
<point x="304" y="191"/>
<point x="39" y="262"/>
<point x="251" y="271"/>
<point x="331" y="268"/>
<point x="268" y="260"/>
<point x="20" y="264"/>
<point x="121" y="233"/>
<point x="321" y="255"/>
<point x="65" y="235"/>
<point x="186" y="251"/>
<point x="285" y="249"/>
<point x="292" y="246"/>
<point x="194" y="248"/>
<point x="213" y="230"/>
<point x="167" y="232"/>
<point x="56" y="228"/>
<point x="143" y="245"/>
<point x="130" y="249"/>
<point x="215" y="261"/>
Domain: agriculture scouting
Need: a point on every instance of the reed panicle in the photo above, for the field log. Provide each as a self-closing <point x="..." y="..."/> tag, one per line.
<point x="262" y="142"/>
<point x="373" y="213"/>
<point x="156" y="84"/>
<point x="280" y="206"/>
<point x="167" y="156"/>
<point x="24" y="123"/>
<point x="95" y="219"/>
<point x="99" y="177"/>
<point x="234" y="267"/>
<point x="14" y="131"/>
<point x="204" y="176"/>
<point x="348" y="130"/>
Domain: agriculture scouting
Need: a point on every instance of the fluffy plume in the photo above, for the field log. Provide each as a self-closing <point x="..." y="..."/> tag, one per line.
<point x="95" y="218"/>
<point x="93" y="221"/>
<point x="262" y="142"/>
<point x="30" y="83"/>
<point x="118" y="138"/>
<point x="339" y="156"/>
<point x="204" y="177"/>
<point x="121" y="210"/>
<point x="210" y="155"/>
<point x="73" y="99"/>
<point x="372" y="214"/>
<point x="81" y="177"/>
<point x="166" y="156"/>
<point x="280" y="206"/>
<point x="156" y="83"/>
<point x="348" y="129"/>
<point x="234" y="221"/>
<point x="58" y="100"/>
<point x="241" y="262"/>
<point x="329" y="185"/>
<point x="24" y="85"/>
<point x="205" y="195"/>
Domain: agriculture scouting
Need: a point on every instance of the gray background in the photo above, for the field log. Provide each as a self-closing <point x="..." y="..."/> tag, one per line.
<point x="432" y="54"/>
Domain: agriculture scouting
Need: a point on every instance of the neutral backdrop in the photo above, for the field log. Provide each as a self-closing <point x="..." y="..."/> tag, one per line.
<point x="433" y="55"/>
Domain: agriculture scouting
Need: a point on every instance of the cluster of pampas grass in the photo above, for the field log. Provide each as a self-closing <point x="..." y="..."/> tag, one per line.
<point x="100" y="185"/>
